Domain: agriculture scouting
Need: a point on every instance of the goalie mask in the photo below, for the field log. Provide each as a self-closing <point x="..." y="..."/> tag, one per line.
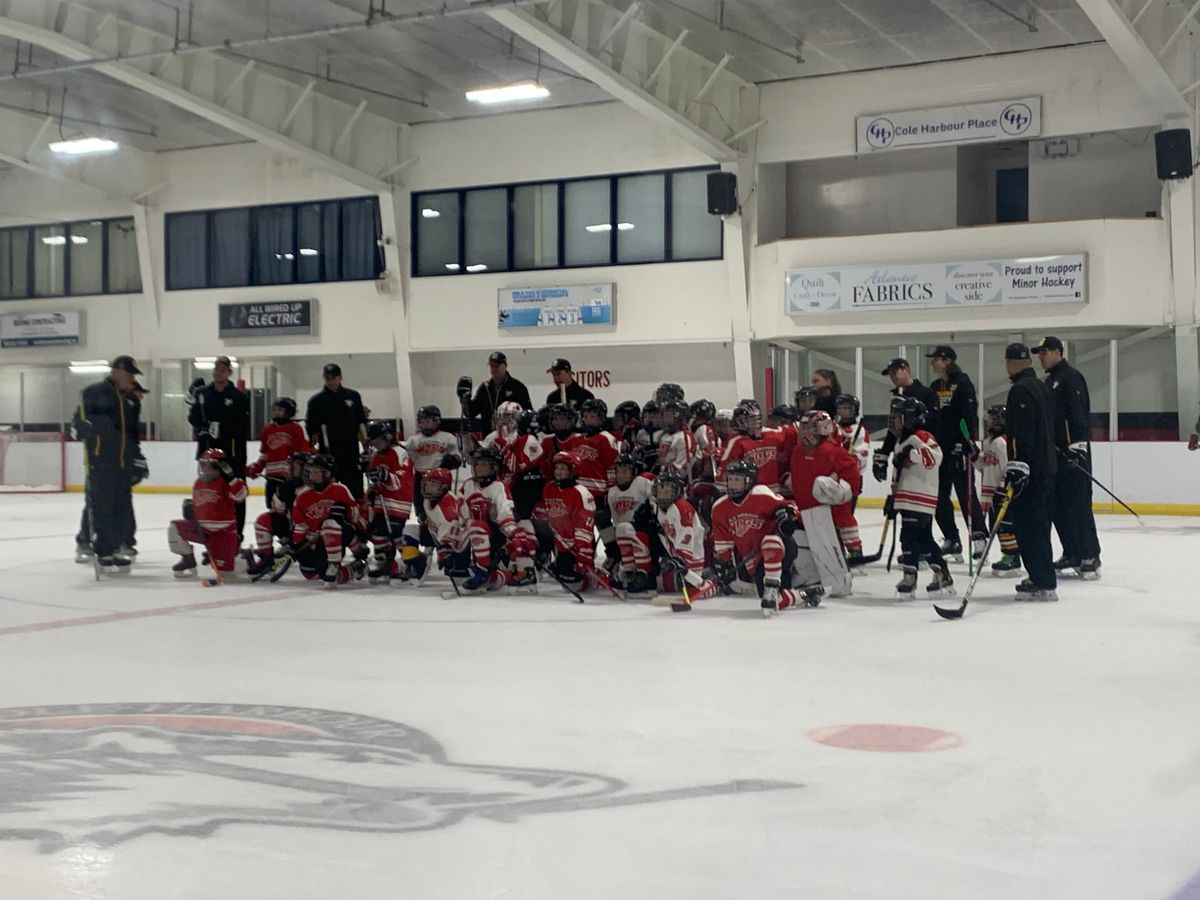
<point x="815" y="426"/>
<point x="506" y="416"/>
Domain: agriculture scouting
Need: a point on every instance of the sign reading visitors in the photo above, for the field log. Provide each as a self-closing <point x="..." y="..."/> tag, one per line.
<point x="41" y="329"/>
<point x="586" y="307"/>
<point x="993" y="282"/>
<point x="284" y="317"/>
<point x="1000" y="120"/>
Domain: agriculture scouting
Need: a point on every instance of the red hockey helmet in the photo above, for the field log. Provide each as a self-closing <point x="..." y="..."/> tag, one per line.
<point x="568" y="459"/>
<point x="435" y="483"/>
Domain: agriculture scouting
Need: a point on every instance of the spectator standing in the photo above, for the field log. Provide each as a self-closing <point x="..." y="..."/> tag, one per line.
<point x="337" y="425"/>
<point x="828" y="388"/>
<point x="500" y="387"/>
<point x="1073" y="517"/>
<point x="566" y="388"/>
<point x="220" y="420"/>
<point x="958" y="406"/>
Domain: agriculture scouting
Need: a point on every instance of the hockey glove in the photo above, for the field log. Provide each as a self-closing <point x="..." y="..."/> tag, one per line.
<point x="254" y="470"/>
<point x="338" y="513"/>
<point x="785" y="521"/>
<point x="451" y="461"/>
<point x="726" y="573"/>
<point x="1016" y="476"/>
<point x="226" y="471"/>
<point x="902" y="458"/>
<point x="521" y="545"/>
<point x="674" y="564"/>
<point x="140" y="472"/>
<point x="879" y="466"/>
<point x="1079" y="454"/>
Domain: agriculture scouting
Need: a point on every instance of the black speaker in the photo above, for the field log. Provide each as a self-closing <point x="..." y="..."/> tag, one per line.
<point x="722" y="193"/>
<point x="1172" y="151"/>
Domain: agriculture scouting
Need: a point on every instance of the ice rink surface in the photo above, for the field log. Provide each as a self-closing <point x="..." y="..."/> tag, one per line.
<point x="159" y="740"/>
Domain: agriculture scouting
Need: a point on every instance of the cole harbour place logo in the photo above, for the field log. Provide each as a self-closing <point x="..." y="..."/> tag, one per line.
<point x="969" y="123"/>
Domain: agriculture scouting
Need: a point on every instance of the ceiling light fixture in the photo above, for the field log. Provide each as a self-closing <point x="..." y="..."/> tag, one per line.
<point x="598" y="229"/>
<point x="78" y="239"/>
<point x="428" y="213"/>
<point x="624" y="226"/>
<point x="309" y="251"/>
<point x="477" y="267"/>
<point x="89" y="367"/>
<point x="54" y="240"/>
<point x="509" y="93"/>
<point x="79" y="146"/>
<point x="453" y="267"/>
<point x="208" y="362"/>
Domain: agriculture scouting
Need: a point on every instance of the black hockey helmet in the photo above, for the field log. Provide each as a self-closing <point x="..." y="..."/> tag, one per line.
<point x="848" y="408"/>
<point x="560" y="413"/>
<point x="741" y="468"/>
<point x="593" y="406"/>
<point x="652" y="408"/>
<point x="995" y="420"/>
<point x="782" y="413"/>
<point x="669" y="486"/>
<point x="288" y="405"/>
<point x="493" y="458"/>
<point x="702" y="411"/>
<point x="907" y="415"/>
<point x="626" y="411"/>
<point x="668" y="391"/>
<point x="380" y="428"/>
<point x="805" y="398"/>
<point x="674" y="415"/>
<point x="543" y="419"/>
<point x="625" y="461"/>
<point x="746" y="418"/>
<point x="429" y="412"/>
<point x="525" y="421"/>
<point x="321" y="463"/>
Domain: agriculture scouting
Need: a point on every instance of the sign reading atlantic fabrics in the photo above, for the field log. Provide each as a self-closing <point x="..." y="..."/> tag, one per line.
<point x="993" y="282"/>
<point x="283" y="317"/>
<point x="41" y="329"/>
<point x="972" y="123"/>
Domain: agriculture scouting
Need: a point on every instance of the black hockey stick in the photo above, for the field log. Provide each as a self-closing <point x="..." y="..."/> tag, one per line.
<point x="962" y="608"/>
<point x="1097" y="482"/>
<point x="554" y="575"/>
<point x="282" y="563"/>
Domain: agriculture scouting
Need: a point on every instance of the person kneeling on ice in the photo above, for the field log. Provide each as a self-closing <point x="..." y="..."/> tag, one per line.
<point x="447" y="528"/>
<point x="326" y="523"/>
<point x="209" y="518"/>
<point x="276" y="522"/>
<point x="824" y="479"/>
<point x="915" y="494"/>
<point x="752" y="529"/>
<point x="628" y="559"/>
<point x="494" y="534"/>
<point x="991" y="463"/>
<point x="571" y="513"/>
<point x="682" y="538"/>
<point x="389" y="501"/>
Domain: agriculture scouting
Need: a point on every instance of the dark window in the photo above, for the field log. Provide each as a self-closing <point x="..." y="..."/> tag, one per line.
<point x="274" y="245"/>
<point x="187" y="251"/>
<point x="362" y="257"/>
<point x="14" y="262"/>
<point x="437" y="218"/>
<point x="311" y="252"/>
<point x="74" y="258"/>
<point x="124" y="268"/>
<point x="230" y="261"/>
<point x="486" y="230"/>
<point x="86" y="243"/>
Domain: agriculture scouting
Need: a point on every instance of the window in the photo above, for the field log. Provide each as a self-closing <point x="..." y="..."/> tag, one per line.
<point x="14" y="262"/>
<point x="642" y="217"/>
<point x="331" y="240"/>
<point x="535" y="226"/>
<point x="86" y="240"/>
<point x="588" y="226"/>
<point x="49" y="260"/>
<point x="124" y="269"/>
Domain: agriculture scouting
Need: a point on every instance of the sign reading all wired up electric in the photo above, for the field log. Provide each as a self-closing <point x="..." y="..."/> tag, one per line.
<point x="974" y="123"/>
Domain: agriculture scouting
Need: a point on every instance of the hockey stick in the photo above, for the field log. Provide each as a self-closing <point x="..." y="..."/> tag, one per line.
<point x="281" y="567"/>
<point x="1096" y="481"/>
<point x="962" y="608"/>
<point x="215" y="581"/>
<point x="554" y="575"/>
<point x="969" y="472"/>
<point x="892" y="551"/>
<point x="686" y="605"/>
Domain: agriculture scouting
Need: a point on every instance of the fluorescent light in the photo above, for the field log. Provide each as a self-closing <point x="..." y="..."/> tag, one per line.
<point x="54" y="239"/>
<point x="84" y="145"/>
<point x="477" y="267"/>
<point x="624" y="226"/>
<point x="597" y="229"/>
<point x="209" y="362"/>
<point x="309" y="251"/>
<point x="428" y="213"/>
<point x="453" y="267"/>
<point x="78" y="239"/>
<point x="89" y="367"/>
<point x="521" y="90"/>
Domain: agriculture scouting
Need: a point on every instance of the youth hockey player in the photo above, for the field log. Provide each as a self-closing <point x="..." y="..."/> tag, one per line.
<point x="447" y="527"/>
<point x="824" y="479"/>
<point x="752" y="532"/>
<point x="490" y="525"/>
<point x="676" y="443"/>
<point x="505" y="426"/>
<point x="805" y="399"/>
<point x="649" y="435"/>
<point x="626" y="420"/>
<point x="431" y="448"/>
<point x="916" y="459"/>
<point x="570" y="511"/>
<point x="852" y="432"/>
<point x="210" y="518"/>
<point x="708" y="444"/>
<point x="278" y="440"/>
<point x="325" y="523"/>
<point x="991" y="463"/>
<point x="276" y="522"/>
<point x="389" y="501"/>
<point x="629" y="501"/>
<point x="748" y="443"/>
<point x="682" y="539"/>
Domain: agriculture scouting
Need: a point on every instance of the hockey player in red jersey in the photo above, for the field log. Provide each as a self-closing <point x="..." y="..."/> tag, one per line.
<point x="630" y="500"/>
<point x="570" y="511"/>
<point x="681" y="542"/>
<point x="493" y="531"/>
<point x="916" y="459"/>
<point x="748" y="443"/>
<point x="276" y="522"/>
<point x="389" y="501"/>
<point x="522" y="472"/>
<point x="210" y="518"/>
<point x="752" y="531"/>
<point x="325" y="523"/>
<point x="448" y="530"/>
<point x="824" y="479"/>
<point x="279" y="439"/>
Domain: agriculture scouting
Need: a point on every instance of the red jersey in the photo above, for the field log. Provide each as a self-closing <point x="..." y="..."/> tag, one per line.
<point x="571" y="513"/>
<point x="521" y="453"/>
<point x="596" y="452"/>
<point x="740" y="527"/>
<point x="827" y="458"/>
<point x="784" y="440"/>
<point x="312" y="507"/>
<point x="277" y="444"/>
<point x="765" y="457"/>
<point x="215" y="502"/>
<point x="393" y="493"/>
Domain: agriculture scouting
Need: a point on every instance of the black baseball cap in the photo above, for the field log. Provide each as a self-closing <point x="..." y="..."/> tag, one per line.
<point x="898" y="363"/>
<point x="560" y="365"/>
<point x="498" y="358"/>
<point x="332" y="370"/>
<point x="126" y="364"/>
<point x="1016" y="351"/>
<point x="1048" y="343"/>
<point x="942" y="351"/>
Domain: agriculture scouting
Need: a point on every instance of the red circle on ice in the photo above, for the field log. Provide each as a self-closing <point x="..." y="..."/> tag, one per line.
<point x="885" y="738"/>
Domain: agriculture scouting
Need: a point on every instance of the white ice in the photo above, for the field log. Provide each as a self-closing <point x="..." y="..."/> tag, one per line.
<point x="600" y="751"/>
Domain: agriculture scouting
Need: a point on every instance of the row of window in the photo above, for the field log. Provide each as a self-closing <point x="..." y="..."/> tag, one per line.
<point x="613" y="220"/>
<point x="294" y="243"/>
<point x="69" y="259"/>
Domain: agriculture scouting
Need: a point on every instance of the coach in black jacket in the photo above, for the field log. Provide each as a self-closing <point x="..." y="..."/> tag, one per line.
<point x="1073" y="518"/>
<point x="1030" y="423"/>
<point x="337" y="424"/>
<point x="905" y="386"/>
<point x="957" y="405"/>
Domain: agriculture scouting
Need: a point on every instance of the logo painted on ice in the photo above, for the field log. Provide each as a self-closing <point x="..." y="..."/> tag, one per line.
<point x="104" y="774"/>
<point x="880" y="133"/>
<point x="1016" y="118"/>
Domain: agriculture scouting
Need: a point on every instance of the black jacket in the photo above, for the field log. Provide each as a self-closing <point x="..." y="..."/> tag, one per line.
<point x="107" y="421"/>
<point x="1030" y="421"/>
<point x="336" y="422"/>
<point x="1072" y="405"/>
<point x="957" y="402"/>
<point x="488" y="396"/>
<point x="220" y="420"/>
<point x="576" y="394"/>
<point x="917" y="391"/>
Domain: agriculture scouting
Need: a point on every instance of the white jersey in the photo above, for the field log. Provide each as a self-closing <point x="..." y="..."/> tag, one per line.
<point x="682" y="531"/>
<point x="495" y="495"/>
<point x="499" y="438"/>
<point x="624" y="502"/>
<point x="677" y="451"/>
<point x="445" y="522"/>
<point x="707" y="442"/>
<point x="861" y="450"/>
<point x="427" y="451"/>
<point x="992" y="459"/>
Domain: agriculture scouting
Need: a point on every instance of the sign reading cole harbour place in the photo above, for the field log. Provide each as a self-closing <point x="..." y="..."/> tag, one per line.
<point x="993" y="282"/>
<point x="1000" y="120"/>
<point x="282" y="317"/>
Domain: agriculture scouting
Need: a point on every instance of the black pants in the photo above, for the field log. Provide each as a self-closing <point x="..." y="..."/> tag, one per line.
<point x="1030" y="513"/>
<point x="110" y="508"/>
<point x="951" y="476"/>
<point x="916" y="540"/>
<point x="349" y="472"/>
<point x="1073" y="518"/>
<point x="84" y="535"/>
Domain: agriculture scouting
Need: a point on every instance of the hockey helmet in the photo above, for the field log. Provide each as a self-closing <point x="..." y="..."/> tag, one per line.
<point x="543" y="419"/>
<point x="319" y="470"/>
<point x="781" y="415"/>
<point x="626" y="412"/>
<point x="299" y="460"/>
<point x="674" y="415"/>
<point x="525" y="421"/>
<point x="723" y="423"/>
<point x="668" y="391"/>
<point x="213" y="456"/>
<point x="593" y="412"/>
<point x="907" y="415"/>
<point x="650" y="414"/>
<point x="208" y="463"/>
<point x="995" y="420"/>
<point x="669" y="486"/>
<point x="563" y="419"/>
<point x="288" y="405"/>
<point x="805" y="398"/>
<point x="490" y="461"/>
<point x="570" y="461"/>
<point x="848" y="408"/>
<point x="430" y="413"/>
<point x="747" y="419"/>
<point x="815" y="426"/>
<point x="625" y="469"/>
<point x="380" y="429"/>
<point x="435" y="483"/>
<point x="702" y="411"/>
<point x="507" y="412"/>
<point x="746" y="475"/>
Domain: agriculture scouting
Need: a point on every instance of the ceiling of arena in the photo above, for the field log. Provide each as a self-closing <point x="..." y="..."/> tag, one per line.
<point x="416" y="60"/>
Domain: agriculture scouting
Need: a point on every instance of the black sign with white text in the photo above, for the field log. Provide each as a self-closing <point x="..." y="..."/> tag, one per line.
<point x="283" y="317"/>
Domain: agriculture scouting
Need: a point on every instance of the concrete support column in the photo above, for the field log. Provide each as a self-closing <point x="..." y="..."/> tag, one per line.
<point x="393" y="207"/>
<point x="1187" y="376"/>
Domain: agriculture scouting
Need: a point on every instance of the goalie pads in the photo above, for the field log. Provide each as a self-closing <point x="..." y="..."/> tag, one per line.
<point x="819" y="554"/>
<point x="831" y="491"/>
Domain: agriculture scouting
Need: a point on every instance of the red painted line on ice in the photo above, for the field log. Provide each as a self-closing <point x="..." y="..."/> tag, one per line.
<point x="104" y="618"/>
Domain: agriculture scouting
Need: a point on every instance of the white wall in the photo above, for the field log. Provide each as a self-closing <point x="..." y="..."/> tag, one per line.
<point x="1113" y="175"/>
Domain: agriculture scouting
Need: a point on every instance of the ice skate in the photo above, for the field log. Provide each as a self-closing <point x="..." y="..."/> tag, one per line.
<point x="952" y="550"/>
<point x="810" y="596"/>
<point x="1089" y="569"/>
<point x="523" y="581"/>
<point x="638" y="586"/>
<point x="942" y="584"/>
<point x="185" y="568"/>
<point x="330" y="577"/>
<point x="264" y="563"/>
<point x="379" y="571"/>
<point x="476" y="581"/>
<point x="130" y="553"/>
<point x="770" y="597"/>
<point x="1007" y="566"/>
<point x="1029" y="592"/>
<point x="112" y="565"/>
<point x="1064" y="565"/>
<point x="907" y="585"/>
<point x="83" y="553"/>
<point x="978" y="545"/>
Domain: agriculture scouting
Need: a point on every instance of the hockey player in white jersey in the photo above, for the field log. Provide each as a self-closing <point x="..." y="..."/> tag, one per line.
<point x="852" y="432"/>
<point x="431" y="448"/>
<point x="676" y="442"/>
<point x="493" y="531"/>
<point x="682" y="538"/>
<point x="629" y="501"/>
<point x="505" y="426"/>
